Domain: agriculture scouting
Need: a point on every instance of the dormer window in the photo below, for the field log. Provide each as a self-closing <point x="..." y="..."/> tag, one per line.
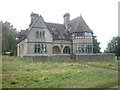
<point x="56" y="35"/>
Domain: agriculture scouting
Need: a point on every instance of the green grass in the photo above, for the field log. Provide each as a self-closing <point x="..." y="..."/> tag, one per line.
<point x="20" y="73"/>
<point x="112" y="65"/>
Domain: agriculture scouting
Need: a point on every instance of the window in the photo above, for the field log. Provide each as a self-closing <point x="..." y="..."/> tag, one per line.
<point x="40" y="34"/>
<point x="89" y="48"/>
<point x="37" y="34"/>
<point x="79" y="48"/>
<point x="82" y="48"/>
<point x="88" y="34"/>
<point x="43" y="33"/>
<point x="45" y="48"/>
<point x="40" y="48"/>
<point x="35" y="51"/>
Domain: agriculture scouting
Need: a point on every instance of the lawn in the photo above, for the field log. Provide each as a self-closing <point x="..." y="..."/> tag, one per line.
<point x="112" y="65"/>
<point x="20" y="73"/>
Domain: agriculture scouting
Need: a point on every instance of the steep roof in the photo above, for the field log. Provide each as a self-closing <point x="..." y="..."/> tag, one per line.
<point x="79" y="25"/>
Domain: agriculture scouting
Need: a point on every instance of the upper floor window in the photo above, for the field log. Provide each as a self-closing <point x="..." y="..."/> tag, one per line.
<point x="40" y="34"/>
<point x="83" y="34"/>
<point x="88" y="34"/>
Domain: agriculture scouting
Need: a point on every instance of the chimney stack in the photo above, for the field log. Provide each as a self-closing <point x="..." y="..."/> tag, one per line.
<point x="34" y="17"/>
<point x="67" y="20"/>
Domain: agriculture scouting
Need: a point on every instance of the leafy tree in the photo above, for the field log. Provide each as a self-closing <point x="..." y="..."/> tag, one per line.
<point x="9" y="35"/>
<point x="96" y="47"/>
<point x="114" y="46"/>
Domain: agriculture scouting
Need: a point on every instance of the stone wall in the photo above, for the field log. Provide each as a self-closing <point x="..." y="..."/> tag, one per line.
<point x="67" y="58"/>
<point x="95" y="57"/>
<point x="49" y="58"/>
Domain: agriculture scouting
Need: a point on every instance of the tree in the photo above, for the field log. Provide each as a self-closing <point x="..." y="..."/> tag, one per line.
<point x="9" y="35"/>
<point x="114" y="46"/>
<point x="96" y="47"/>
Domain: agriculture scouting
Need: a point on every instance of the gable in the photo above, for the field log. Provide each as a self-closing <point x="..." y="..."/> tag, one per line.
<point x="39" y="23"/>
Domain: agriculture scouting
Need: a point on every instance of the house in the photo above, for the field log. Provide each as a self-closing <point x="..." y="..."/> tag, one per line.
<point x="44" y="38"/>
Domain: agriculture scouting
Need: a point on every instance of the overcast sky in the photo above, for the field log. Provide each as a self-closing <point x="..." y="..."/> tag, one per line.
<point x="100" y="15"/>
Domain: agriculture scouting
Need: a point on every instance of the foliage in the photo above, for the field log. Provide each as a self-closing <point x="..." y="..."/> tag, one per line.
<point x="96" y="47"/>
<point x="20" y="73"/>
<point x="114" y="46"/>
<point x="9" y="35"/>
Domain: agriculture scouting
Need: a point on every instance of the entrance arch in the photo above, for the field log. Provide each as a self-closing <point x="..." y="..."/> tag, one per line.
<point x="66" y="50"/>
<point x="56" y="50"/>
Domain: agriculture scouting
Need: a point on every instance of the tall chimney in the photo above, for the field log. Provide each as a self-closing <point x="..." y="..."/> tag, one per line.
<point x="34" y="17"/>
<point x="66" y="20"/>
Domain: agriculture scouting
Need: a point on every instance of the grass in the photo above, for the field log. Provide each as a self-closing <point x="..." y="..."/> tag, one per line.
<point x="112" y="65"/>
<point x="20" y="73"/>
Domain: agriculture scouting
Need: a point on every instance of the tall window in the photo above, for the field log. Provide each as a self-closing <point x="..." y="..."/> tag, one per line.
<point x="40" y="48"/>
<point x="83" y="48"/>
<point x="40" y="34"/>
<point x="79" y="48"/>
<point x="89" y="48"/>
<point x="35" y="50"/>
<point x="37" y="34"/>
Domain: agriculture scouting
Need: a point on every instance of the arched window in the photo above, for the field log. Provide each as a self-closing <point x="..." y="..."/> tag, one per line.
<point x="66" y="50"/>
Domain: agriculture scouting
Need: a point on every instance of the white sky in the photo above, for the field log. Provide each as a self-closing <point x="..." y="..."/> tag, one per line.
<point x="100" y="15"/>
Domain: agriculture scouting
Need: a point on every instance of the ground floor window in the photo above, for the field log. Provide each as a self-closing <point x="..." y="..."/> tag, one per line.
<point x="40" y="48"/>
<point x="84" y="48"/>
<point x="66" y="50"/>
